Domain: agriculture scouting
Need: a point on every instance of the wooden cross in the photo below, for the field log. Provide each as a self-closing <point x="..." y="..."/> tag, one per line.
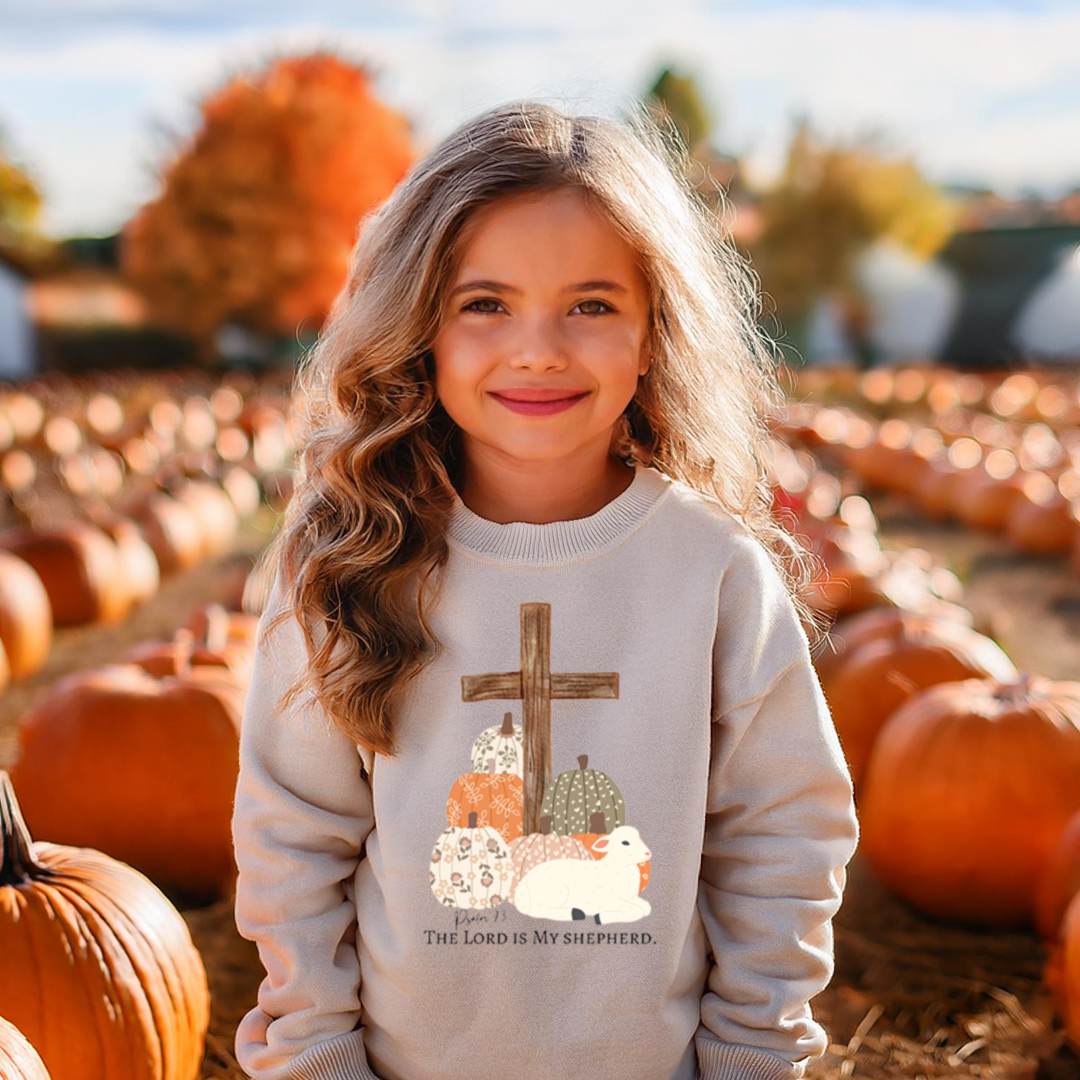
<point x="535" y="685"/>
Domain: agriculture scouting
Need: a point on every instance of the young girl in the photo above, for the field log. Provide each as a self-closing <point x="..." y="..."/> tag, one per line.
<point x="532" y="666"/>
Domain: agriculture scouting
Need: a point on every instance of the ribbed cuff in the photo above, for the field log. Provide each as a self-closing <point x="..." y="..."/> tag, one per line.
<point x="737" y="1061"/>
<point x="341" y="1058"/>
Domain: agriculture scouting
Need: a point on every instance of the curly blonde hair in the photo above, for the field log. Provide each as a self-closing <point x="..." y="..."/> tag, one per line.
<point x="379" y="457"/>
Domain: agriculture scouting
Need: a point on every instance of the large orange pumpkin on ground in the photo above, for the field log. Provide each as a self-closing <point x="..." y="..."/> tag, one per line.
<point x="967" y="793"/>
<point x="99" y="971"/>
<point x="882" y="674"/>
<point x="141" y="768"/>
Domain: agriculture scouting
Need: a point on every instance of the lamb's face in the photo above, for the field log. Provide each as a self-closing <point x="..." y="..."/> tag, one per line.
<point x="625" y="842"/>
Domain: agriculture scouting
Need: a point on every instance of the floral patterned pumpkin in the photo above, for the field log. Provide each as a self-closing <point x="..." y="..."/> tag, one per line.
<point x="498" y="800"/>
<point x="578" y="794"/>
<point x="471" y="867"/>
<point x="529" y="851"/>
<point x="504" y="745"/>
<point x="590" y="838"/>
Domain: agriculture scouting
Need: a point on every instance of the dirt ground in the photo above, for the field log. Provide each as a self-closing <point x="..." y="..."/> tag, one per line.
<point x="910" y="998"/>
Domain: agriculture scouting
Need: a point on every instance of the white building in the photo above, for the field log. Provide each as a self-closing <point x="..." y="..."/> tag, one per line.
<point x="18" y="339"/>
<point x="1047" y="327"/>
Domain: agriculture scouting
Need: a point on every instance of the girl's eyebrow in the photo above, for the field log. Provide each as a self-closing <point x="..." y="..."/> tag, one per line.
<point x="501" y="287"/>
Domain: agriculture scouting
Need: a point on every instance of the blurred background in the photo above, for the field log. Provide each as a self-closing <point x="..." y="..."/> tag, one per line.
<point x="180" y="187"/>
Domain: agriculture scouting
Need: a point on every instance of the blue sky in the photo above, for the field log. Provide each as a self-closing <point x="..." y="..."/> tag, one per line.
<point x="976" y="91"/>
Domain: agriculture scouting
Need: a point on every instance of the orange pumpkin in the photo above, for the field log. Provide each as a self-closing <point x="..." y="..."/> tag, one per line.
<point x="18" y="1059"/>
<point x="26" y="625"/>
<point x="1059" y="881"/>
<point x="876" y="624"/>
<point x="880" y="675"/>
<point x="968" y="791"/>
<point x="590" y="838"/>
<point x="171" y="529"/>
<point x="935" y="490"/>
<point x="852" y="558"/>
<point x="225" y="640"/>
<point x="141" y="768"/>
<point x="243" y="490"/>
<point x="80" y="567"/>
<point x="1070" y="973"/>
<point x="140" y="571"/>
<point x="497" y="798"/>
<point x="1040" y="520"/>
<point x="984" y="499"/>
<point x="213" y="510"/>
<point x="125" y="988"/>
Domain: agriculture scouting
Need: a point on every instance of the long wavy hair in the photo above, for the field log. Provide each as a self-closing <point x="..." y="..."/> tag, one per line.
<point x="378" y="457"/>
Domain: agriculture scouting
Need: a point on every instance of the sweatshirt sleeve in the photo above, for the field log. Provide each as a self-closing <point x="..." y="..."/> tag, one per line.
<point x="780" y="829"/>
<point x="302" y="811"/>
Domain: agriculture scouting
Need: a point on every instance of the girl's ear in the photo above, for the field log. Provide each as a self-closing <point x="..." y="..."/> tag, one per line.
<point x="645" y="361"/>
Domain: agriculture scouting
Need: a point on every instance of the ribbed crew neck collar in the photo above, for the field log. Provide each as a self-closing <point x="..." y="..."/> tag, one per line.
<point x="556" y="542"/>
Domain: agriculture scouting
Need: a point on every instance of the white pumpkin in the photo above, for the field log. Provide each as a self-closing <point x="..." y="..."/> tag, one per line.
<point x="471" y="867"/>
<point x="504" y="745"/>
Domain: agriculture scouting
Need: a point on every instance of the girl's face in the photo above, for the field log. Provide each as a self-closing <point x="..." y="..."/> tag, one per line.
<point x="548" y="302"/>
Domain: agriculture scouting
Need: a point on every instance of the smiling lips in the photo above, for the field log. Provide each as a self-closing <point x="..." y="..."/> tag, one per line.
<point x="536" y="402"/>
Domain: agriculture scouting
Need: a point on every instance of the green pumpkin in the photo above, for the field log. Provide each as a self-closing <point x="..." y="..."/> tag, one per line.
<point x="578" y="794"/>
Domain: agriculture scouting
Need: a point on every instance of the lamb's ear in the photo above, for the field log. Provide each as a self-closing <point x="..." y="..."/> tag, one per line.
<point x="601" y="843"/>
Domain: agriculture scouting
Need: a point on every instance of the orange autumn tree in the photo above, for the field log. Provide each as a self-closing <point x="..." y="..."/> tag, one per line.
<point x="257" y="216"/>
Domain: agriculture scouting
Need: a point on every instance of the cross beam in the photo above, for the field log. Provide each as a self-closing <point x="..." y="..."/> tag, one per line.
<point x="535" y="684"/>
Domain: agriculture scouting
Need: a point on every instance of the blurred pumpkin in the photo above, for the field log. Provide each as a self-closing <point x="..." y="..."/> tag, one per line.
<point x="967" y="792"/>
<point x="881" y="674"/>
<point x="26" y="625"/>
<point x="80" y="567"/>
<point x="170" y="528"/>
<point x="1059" y="881"/>
<point x="139" y="767"/>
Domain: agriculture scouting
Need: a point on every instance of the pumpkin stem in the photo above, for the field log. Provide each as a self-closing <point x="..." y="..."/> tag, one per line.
<point x="507" y="729"/>
<point x="472" y="819"/>
<point x="597" y="823"/>
<point x="17" y="862"/>
<point x="1016" y="690"/>
<point x="491" y="765"/>
<point x="583" y="760"/>
<point x="545" y="824"/>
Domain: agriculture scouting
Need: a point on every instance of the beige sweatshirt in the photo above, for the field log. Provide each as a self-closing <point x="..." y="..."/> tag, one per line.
<point x="613" y="840"/>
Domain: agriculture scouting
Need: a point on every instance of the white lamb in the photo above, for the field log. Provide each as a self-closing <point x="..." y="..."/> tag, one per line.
<point x="605" y="889"/>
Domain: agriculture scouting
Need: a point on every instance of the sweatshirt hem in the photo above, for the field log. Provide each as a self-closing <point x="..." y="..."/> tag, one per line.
<point x="737" y="1061"/>
<point x="341" y="1058"/>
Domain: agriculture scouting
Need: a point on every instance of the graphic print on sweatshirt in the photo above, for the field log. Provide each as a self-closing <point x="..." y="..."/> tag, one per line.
<point x="557" y="848"/>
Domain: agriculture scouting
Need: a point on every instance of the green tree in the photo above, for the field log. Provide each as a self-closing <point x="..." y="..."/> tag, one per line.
<point x="831" y="200"/>
<point x="678" y="97"/>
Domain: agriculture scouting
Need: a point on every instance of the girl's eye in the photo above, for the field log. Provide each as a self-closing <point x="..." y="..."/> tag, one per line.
<point x="606" y="307"/>
<point x="483" y="300"/>
<point x="471" y="306"/>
